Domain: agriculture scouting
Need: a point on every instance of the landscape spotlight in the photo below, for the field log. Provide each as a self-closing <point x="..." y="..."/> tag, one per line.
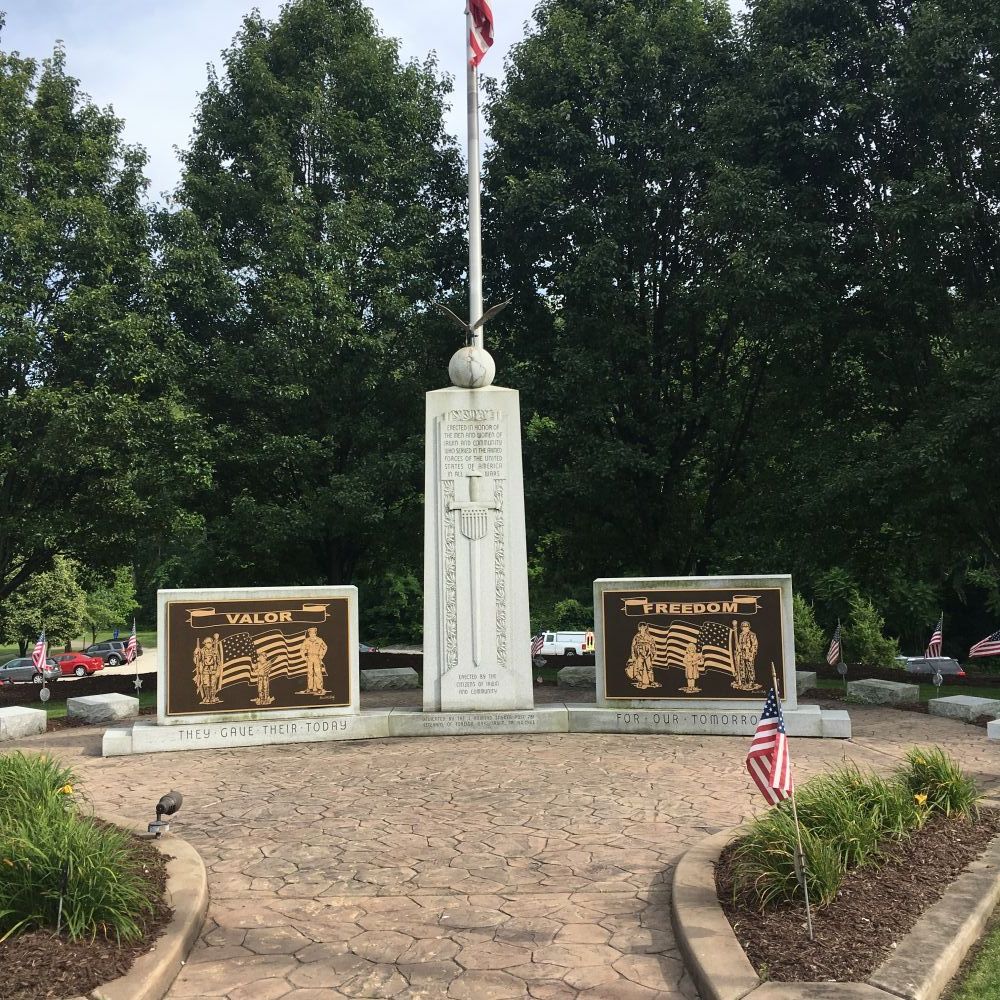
<point x="167" y="806"/>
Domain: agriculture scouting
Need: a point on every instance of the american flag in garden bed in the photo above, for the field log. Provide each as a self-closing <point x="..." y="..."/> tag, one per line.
<point x="768" y="762"/>
<point x="934" y="646"/>
<point x="833" y="653"/>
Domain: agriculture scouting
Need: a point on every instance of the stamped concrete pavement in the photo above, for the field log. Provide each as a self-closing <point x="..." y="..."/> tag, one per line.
<point x="473" y="868"/>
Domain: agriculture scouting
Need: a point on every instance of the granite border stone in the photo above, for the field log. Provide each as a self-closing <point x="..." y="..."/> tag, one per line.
<point x="920" y="968"/>
<point x="153" y="973"/>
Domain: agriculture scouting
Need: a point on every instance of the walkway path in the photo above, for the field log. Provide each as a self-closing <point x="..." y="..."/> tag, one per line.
<point x="471" y="868"/>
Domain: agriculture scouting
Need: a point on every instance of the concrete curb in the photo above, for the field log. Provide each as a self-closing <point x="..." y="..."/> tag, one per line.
<point x="920" y="968"/>
<point x="187" y="893"/>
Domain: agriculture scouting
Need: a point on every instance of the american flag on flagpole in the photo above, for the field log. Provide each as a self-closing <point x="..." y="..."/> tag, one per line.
<point x="934" y="646"/>
<point x="990" y="646"/>
<point x="767" y="759"/>
<point x="38" y="654"/>
<point x="536" y="645"/>
<point x="480" y="14"/>
<point x="130" y="649"/>
<point x="833" y="653"/>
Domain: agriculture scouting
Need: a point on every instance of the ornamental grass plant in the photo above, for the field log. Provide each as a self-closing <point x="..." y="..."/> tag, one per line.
<point x="848" y="820"/>
<point x="48" y="849"/>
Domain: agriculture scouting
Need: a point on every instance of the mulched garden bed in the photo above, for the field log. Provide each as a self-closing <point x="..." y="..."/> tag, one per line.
<point x="38" y="965"/>
<point x="872" y="911"/>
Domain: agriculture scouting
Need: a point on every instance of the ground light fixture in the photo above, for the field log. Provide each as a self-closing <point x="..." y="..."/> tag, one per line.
<point x="167" y="806"/>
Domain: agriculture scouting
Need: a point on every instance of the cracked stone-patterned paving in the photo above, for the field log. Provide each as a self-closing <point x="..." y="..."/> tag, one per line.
<point x="469" y="867"/>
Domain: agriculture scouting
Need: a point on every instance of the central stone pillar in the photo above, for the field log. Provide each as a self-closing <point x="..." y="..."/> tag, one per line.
<point x="477" y="654"/>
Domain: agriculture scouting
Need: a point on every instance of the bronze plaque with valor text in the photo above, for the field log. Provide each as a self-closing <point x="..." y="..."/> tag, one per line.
<point x="260" y="655"/>
<point x="697" y="644"/>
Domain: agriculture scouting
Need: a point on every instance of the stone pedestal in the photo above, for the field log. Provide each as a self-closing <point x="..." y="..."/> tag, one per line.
<point x="805" y="680"/>
<point x="476" y="627"/>
<point x="876" y="692"/>
<point x="16" y="722"/>
<point x="964" y="707"/>
<point x="95" y="709"/>
<point x="577" y="677"/>
<point x="389" y="679"/>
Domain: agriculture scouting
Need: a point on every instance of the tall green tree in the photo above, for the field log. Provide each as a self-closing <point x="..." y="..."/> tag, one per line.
<point x="318" y="215"/>
<point x="92" y="432"/>
<point x="52" y="600"/>
<point x="110" y="600"/>
<point x="621" y="234"/>
<point x="874" y="125"/>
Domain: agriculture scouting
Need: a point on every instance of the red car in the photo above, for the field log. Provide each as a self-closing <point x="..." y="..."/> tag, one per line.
<point x="78" y="664"/>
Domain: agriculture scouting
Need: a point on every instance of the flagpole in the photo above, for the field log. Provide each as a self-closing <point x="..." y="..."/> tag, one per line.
<point x="795" y="815"/>
<point x="475" y="218"/>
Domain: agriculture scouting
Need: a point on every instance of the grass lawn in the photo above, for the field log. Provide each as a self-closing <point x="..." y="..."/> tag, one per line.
<point x="57" y="709"/>
<point x="927" y="691"/>
<point x="982" y="980"/>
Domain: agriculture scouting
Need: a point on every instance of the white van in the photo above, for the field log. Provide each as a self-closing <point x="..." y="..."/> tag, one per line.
<point x="561" y="644"/>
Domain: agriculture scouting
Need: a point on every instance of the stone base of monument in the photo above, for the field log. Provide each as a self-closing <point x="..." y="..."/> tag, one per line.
<point x="578" y="677"/>
<point x="147" y="737"/>
<point x="16" y="722"/>
<point x="993" y="730"/>
<point x="94" y="709"/>
<point x="805" y="720"/>
<point x="876" y="692"/>
<point x="805" y="680"/>
<point x="964" y="707"/>
<point x="389" y="679"/>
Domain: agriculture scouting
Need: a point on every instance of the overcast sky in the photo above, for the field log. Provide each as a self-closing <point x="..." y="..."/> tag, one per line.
<point x="148" y="60"/>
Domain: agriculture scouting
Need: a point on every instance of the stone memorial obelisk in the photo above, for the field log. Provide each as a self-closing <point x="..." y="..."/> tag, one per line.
<point x="477" y="653"/>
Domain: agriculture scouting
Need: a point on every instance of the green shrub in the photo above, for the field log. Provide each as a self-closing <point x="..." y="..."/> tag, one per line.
<point x="42" y="836"/>
<point x="764" y="862"/>
<point x="933" y="773"/>
<point x="863" y="638"/>
<point x="810" y="639"/>
<point x="847" y="819"/>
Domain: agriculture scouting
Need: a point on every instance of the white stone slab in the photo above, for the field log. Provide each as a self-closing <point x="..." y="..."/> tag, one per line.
<point x="577" y="677"/>
<point x="993" y="730"/>
<point x="476" y="625"/>
<point x="16" y="721"/>
<point x="875" y="692"/>
<point x="151" y="738"/>
<point x="836" y="724"/>
<point x="543" y="719"/>
<point x="389" y="679"/>
<point x="96" y="709"/>
<point x="805" y="720"/>
<point x="965" y="707"/>
<point x="805" y="680"/>
<point x="117" y="742"/>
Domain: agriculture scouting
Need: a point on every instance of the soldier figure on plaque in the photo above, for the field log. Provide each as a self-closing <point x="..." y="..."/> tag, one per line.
<point x="745" y="664"/>
<point x="208" y="669"/>
<point x="694" y="667"/>
<point x="260" y="674"/>
<point x="313" y="650"/>
<point x="639" y="668"/>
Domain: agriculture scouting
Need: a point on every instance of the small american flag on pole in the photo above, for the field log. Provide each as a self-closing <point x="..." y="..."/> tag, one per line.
<point x="536" y="645"/>
<point x="990" y="646"/>
<point x="38" y="654"/>
<point x="833" y="653"/>
<point x="130" y="649"/>
<point x="767" y="759"/>
<point x="480" y="14"/>
<point x="934" y="646"/>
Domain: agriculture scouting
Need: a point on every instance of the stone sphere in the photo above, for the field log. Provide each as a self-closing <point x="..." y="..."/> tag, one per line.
<point x="472" y="368"/>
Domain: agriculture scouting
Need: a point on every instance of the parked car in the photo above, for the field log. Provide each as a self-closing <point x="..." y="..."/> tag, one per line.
<point x="365" y="648"/>
<point x="934" y="664"/>
<point x="78" y="664"/>
<point x="23" y="669"/>
<point x="111" y="652"/>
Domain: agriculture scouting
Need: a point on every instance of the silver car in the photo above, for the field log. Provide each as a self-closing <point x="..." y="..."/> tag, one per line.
<point x="23" y="669"/>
